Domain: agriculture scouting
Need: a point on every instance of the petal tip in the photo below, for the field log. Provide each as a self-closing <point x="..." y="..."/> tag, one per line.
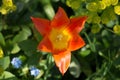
<point x="62" y="61"/>
<point x="60" y="8"/>
<point x="62" y="73"/>
<point x="31" y="17"/>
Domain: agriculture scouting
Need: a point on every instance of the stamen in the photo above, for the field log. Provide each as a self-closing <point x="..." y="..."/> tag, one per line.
<point x="59" y="37"/>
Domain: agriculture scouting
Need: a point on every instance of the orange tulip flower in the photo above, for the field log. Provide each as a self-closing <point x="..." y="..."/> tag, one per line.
<point x="60" y="37"/>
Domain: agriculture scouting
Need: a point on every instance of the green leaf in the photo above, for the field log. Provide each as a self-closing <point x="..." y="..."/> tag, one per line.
<point x="1" y="25"/>
<point x="37" y="35"/>
<point x="2" y="40"/>
<point x="99" y="78"/>
<point x="105" y="42"/>
<point x="4" y="62"/>
<point x="23" y="35"/>
<point x="8" y="76"/>
<point x="28" y="46"/>
<point x="1" y="70"/>
<point x="49" y="11"/>
<point x="117" y="62"/>
<point x="34" y="59"/>
<point x="85" y="53"/>
<point x="15" y="49"/>
<point x="75" y="67"/>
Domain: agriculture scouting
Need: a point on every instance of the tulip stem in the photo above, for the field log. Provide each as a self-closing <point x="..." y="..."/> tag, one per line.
<point x="92" y="46"/>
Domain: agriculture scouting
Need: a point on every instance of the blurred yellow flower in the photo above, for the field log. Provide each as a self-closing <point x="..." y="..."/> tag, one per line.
<point x="7" y="2"/>
<point x="116" y="29"/>
<point x="101" y="5"/>
<point x="117" y="9"/>
<point x="114" y="2"/>
<point x="1" y="53"/>
<point x="3" y="11"/>
<point x="107" y="2"/>
<point x="7" y="6"/>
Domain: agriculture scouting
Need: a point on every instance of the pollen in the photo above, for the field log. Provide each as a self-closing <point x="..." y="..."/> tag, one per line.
<point x="59" y="38"/>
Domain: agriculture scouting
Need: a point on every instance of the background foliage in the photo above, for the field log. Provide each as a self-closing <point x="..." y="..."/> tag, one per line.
<point x="99" y="59"/>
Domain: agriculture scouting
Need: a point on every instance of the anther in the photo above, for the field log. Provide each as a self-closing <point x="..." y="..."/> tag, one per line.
<point x="59" y="37"/>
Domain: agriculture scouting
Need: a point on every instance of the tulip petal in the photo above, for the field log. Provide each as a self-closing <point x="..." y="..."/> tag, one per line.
<point x="62" y="61"/>
<point x="76" y="43"/>
<point x="42" y="25"/>
<point x="45" y="45"/>
<point x="60" y="19"/>
<point x="77" y="24"/>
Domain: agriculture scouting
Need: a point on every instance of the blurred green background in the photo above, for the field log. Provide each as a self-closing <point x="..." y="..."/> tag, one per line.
<point x="99" y="59"/>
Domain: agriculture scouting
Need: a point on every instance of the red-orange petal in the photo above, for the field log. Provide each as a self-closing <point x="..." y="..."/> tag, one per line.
<point x="76" y="43"/>
<point x="42" y="25"/>
<point x="62" y="61"/>
<point x="77" y="24"/>
<point x="60" y="19"/>
<point x="45" y="45"/>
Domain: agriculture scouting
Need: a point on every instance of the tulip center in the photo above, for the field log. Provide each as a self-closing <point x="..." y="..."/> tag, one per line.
<point x="59" y="38"/>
